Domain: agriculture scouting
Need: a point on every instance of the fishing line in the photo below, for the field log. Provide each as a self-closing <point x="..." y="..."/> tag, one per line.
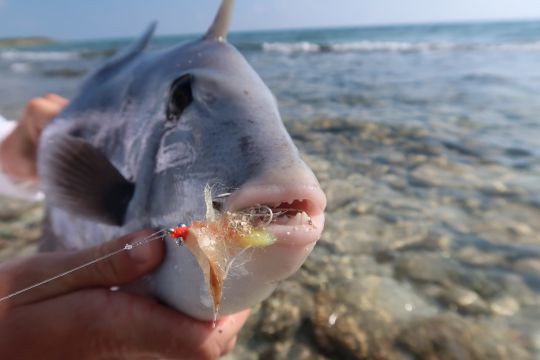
<point x="217" y="242"/>
<point x="128" y="247"/>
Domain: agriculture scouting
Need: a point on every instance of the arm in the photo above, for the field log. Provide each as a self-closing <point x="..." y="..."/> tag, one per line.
<point x="19" y="143"/>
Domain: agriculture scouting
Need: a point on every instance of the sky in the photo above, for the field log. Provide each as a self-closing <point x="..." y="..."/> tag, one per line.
<point x="96" y="19"/>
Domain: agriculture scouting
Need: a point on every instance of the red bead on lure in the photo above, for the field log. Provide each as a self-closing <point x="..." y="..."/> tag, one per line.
<point x="179" y="233"/>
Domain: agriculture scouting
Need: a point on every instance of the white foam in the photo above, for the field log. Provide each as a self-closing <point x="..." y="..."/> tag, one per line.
<point x="368" y="46"/>
<point x="20" y="67"/>
<point x="16" y="55"/>
<point x="288" y="48"/>
<point x="530" y="46"/>
<point x="393" y="46"/>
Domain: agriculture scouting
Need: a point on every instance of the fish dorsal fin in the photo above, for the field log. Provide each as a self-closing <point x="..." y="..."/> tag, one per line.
<point x="78" y="178"/>
<point x="139" y="45"/>
<point x="220" y="27"/>
<point x="108" y="69"/>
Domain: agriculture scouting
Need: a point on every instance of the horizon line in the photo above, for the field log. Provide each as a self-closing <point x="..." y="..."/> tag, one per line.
<point x="281" y="29"/>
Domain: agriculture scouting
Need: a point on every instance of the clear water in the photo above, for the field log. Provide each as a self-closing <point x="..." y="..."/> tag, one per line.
<point x="487" y="74"/>
<point x="436" y="131"/>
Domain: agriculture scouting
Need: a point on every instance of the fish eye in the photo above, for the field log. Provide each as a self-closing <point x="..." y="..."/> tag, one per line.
<point x="180" y="96"/>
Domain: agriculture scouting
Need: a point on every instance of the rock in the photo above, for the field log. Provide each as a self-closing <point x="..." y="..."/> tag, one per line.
<point x="463" y="300"/>
<point x="290" y="350"/>
<point x="20" y="228"/>
<point x="505" y="306"/>
<point x="394" y="258"/>
<point x="280" y="319"/>
<point x="431" y="268"/>
<point x="430" y="175"/>
<point x="436" y="241"/>
<point x="520" y="229"/>
<point x="448" y="337"/>
<point x="341" y="193"/>
<point x="486" y="285"/>
<point x="338" y="333"/>
<point x="360" y="209"/>
<point x="280" y="316"/>
<point x="531" y="265"/>
<point x="499" y="186"/>
<point x="475" y="256"/>
<point x="302" y="351"/>
<point x="358" y="320"/>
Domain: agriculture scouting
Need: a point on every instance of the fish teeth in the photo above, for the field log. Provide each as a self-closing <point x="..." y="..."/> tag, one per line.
<point x="302" y="218"/>
<point x="299" y="218"/>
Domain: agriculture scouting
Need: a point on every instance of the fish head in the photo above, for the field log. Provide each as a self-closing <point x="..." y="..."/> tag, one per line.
<point x="156" y="129"/>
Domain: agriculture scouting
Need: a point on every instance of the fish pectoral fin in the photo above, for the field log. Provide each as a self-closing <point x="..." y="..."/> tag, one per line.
<point x="78" y="178"/>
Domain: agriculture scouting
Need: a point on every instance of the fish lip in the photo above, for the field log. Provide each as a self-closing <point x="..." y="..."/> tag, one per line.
<point x="275" y="194"/>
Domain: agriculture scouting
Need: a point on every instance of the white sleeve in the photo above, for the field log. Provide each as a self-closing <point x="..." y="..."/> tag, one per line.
<point x="8" y="187"/>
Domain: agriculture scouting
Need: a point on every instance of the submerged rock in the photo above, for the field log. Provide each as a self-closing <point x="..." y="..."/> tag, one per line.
<point x="429" y="252"/>
<point x="359" y="320"/>
<point x="20" y="228"/>
<point x="448" y="337"/>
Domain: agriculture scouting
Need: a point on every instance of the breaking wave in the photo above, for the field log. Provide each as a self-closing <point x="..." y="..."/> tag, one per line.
<point x="17" y="55"/>
<point x="391" y="46"/>
<point x="300" y="47"/>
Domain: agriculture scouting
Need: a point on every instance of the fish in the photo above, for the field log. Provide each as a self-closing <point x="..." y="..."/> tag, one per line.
<point x="148" y="133"/>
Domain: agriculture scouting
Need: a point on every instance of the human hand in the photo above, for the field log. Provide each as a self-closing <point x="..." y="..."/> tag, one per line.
<point x="78" y="317"/>
<point x="18" y="151"/>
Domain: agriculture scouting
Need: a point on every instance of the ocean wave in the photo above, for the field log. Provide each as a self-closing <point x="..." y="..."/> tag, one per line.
<point x="287" y="48"/>
<point x="20" y="67"/>
<point x="391" y="46"/>
<point x="16" y="55"/>
<point x="300" y="47"/>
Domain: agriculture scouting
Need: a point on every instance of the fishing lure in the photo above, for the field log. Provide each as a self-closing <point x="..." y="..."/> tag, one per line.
<point x="215" y="242"/>
<point x="219" y="240"/>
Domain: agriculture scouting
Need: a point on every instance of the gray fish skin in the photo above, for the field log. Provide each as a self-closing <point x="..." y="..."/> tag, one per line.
<point x="231" y="135"/>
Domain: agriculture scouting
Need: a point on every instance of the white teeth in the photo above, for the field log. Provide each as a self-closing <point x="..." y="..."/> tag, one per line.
<point x="282" y="220"/>
<point x="301" y="218"/>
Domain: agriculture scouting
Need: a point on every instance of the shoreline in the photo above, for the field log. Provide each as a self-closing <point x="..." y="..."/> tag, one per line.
<point x="25" y="41"/>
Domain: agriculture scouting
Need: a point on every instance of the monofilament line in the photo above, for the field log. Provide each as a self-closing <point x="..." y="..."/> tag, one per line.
<point x="128" y="247"/>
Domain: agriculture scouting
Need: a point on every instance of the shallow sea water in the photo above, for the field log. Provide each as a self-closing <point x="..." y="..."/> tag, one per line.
<point x="426" y="142"/>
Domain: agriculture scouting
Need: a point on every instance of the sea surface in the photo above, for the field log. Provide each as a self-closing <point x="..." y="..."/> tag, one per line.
<point x="426" y="139"/>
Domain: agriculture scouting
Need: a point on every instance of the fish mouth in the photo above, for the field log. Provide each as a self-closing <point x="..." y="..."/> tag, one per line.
<point x="297" y="210"/>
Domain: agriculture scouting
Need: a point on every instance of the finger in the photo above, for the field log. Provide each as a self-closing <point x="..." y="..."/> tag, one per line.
<point x="230" y="346"/>
<point x="39" y="113"/>
<point x="103" y="324"/>
<point x="119" y="269"/>
<point x="156" y="329"/>
<point x="59" y="100"/>
<point x="43" y="109"/>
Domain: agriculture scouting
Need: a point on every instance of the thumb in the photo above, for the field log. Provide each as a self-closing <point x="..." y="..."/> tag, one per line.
<point x="122" y="268"/>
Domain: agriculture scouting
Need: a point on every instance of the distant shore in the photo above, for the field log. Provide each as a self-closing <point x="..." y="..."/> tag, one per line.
<point x="24" y="41"/>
